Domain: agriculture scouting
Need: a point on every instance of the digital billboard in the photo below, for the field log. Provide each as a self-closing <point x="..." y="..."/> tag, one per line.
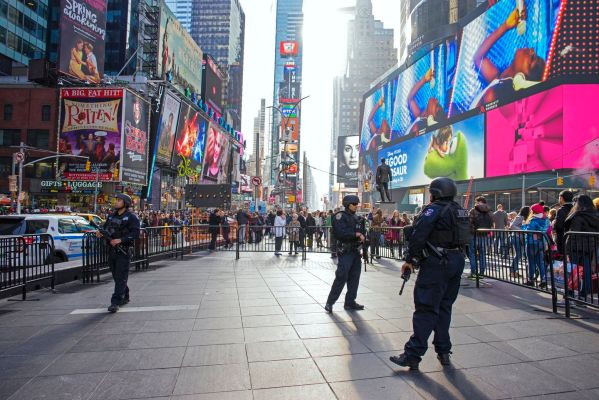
<point x="212" y="88"/>
<point x="289" y="92"/>
<point x="189" y="143"/>
<point x="554" y="129"/>
<point x="90" y="126"/>
<point x="134" y="160"/>
<point x="289" y="48"/>
<point x="167" y="128"/>
<point x="179" y="57"/>
<point x="454" y="151"/>
<point x="348" y="150"/>
<point x="216" y="162"/>
<point x="290" y="129"/>
<point x="82" y="39"/>
<point x="503" y="51"/>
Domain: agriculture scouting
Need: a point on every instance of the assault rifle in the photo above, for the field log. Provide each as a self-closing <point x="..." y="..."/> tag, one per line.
<point x="119" y="248"/>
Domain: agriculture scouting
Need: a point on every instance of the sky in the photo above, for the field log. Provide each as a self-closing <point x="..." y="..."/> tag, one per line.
<point x="324" y="35"/>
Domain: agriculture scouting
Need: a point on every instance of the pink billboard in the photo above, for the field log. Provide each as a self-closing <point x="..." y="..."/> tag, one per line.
<point x="555" y="129"/>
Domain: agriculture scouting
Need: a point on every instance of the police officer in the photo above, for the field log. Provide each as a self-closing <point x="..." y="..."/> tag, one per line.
<point x="347" y="228"/>
<point x="123" y="227"/>
<point x="435" y="243"/>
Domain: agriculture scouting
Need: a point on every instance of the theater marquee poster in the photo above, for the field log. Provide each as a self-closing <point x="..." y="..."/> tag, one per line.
<point x="134" y="160"/>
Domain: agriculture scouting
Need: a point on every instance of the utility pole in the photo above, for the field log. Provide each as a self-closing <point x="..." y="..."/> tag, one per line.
<point x="21" y="158"/>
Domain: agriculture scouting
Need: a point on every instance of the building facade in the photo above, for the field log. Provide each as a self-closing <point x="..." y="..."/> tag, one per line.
<point x="182" y="10"/>
<point x="218" y="27"/>
<point x="259" y="137"/>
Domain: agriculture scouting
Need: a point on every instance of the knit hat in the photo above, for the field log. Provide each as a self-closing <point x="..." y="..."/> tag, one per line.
<point x="537" y="209"/>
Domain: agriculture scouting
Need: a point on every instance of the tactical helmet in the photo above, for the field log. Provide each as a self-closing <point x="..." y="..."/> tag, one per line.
<point x="350" y="199"/>
<point x="443" y="188"/>
<point x="126" y="198"/>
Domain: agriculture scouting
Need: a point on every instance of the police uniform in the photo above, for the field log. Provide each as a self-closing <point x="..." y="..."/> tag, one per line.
<point x="345" y="226"/>
<point x="125" y="227"/>
<point x="434" y="245"/>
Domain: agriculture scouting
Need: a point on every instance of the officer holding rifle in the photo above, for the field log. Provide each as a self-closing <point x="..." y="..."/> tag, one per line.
<point x="436" y="242"/>
<point x="121" y="229"/>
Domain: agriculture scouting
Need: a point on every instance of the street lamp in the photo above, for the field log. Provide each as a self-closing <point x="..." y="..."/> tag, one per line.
<point x="97" y="134"/>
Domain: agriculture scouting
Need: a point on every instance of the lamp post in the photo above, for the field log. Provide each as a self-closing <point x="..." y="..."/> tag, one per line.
<point x="97" y="134"/>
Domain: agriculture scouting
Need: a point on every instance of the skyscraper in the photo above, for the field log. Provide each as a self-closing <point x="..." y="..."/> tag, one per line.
<point x="182" y="10"/>
<point x="370" y="53"/>
<point x="259" y="131"/>
<point x="287" y="79"/>
<point x="218" y="27"/>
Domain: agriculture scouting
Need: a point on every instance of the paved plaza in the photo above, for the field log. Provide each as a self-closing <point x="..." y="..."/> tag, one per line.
<point x="210" y="327"/>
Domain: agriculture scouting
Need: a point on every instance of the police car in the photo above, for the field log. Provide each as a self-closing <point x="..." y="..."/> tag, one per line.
<point x="66" y="230"/>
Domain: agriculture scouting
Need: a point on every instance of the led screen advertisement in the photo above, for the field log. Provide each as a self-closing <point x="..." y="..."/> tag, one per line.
<point x="348" y="148"/>
<point x="90" y="126"/>
<point x="554" y="129"/>
<point x="289" y="48"/>
<point x="217" y="160"/>
<point x="167" y="128"/>
<point x="502" y="52"/>
<point x="179" y="57"/>
<point x="212" y="89"/>
<point x="134" y="160"/>
<point x="189" y="143"/>
<point x="454" y="151"/>
<point x="82" y="38"/>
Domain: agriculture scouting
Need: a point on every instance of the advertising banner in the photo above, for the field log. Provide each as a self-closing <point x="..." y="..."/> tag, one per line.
<point x="189" y="144"/>
<point x="82" y="39"/>
<point x="454" y="151"/>
<point x="348" y="148"/>
<point x="290" y="129"/>
<point x="134" y="160"/>
<point x="551" y="130"/>
<point x="289" y="92"/>
<point x="212" y="89"/>
<point x="179" y="57"/>
<point x="167" y="128"/>
<point x="218" y="156"/>
<point x="502" y="52"/>
<point x="90" y="126"/>
<point x="288" y="48"/>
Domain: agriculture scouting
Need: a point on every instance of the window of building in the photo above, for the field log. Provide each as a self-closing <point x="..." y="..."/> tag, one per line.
<point x="38" y="138"/>
<point x="5" y="166"/>
<point x="46" y="109"/>
<point x="10" y="137"/>
<point x="8" y="112"/>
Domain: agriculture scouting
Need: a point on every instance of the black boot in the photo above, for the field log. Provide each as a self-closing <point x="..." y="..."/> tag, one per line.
<point x="353" y="306"/>
<point x="444" y="358"/>
<point x="403" y="360"/>
<point x="329" y="308"/>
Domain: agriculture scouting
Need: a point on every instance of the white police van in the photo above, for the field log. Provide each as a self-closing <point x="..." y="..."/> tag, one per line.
<point x="66" y="230"/>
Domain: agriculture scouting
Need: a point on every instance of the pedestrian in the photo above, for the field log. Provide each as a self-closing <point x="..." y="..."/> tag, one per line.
<point x="347" y="231"/>
<point x="536" y="245"/>
<point x="301" y="218"/>
<point x="293" y="233"/>
<point x="480" y="218"/>
<point x="279" y="231"/>
<point x="310" y="230"/>
<point x="319" y="221"/>
<point x="565" y="203"/>
<point x="436" y="244"/>
<point x="270" y="222"/>
<point x="123" y="227"/>
<point x="226" y="228"/>
<point x="243" y="220"/>
<point x="376" y="233"/>
<point x="517" y="239"/>
<point x="214" y="221"/>
<point x="500" y="222"/>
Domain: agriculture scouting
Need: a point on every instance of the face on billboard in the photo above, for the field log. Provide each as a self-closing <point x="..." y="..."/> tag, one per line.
<point x="216" y="155"/>
<point x="454" y="151"/>
<point x="90" y="126"/>
<point x="167" y="128"/>
<point x="82" y="36"/>
<point x="135" y="140"/>
<point x="502" y="52"/>
<point x="551" y="130"/>
<point x="348" y="148"/>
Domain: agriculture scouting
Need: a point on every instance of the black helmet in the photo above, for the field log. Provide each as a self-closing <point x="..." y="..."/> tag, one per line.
<point x="350" y="199"/>
<point x="443" y="188"/>
<point x="126" y="198"/>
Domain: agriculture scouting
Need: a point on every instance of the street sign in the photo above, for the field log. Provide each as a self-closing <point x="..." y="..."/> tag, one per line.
<point x="19" y="157"/>
<point x="12" y="183"/>
<point x="256" y="181"/>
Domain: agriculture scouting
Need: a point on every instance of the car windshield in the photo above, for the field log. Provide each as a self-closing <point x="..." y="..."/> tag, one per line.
<point x="83" y="225"/>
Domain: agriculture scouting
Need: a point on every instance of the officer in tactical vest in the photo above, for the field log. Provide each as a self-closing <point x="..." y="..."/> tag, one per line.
<point x="436" y="243"/>
<point x="347" y="228"/>
<point x="123" y="229"/>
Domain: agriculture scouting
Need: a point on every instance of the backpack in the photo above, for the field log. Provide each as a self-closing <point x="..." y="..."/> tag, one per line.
<point x="483" y="220"/>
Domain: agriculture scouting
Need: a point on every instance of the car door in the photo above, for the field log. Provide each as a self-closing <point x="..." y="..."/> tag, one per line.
<point x="69" y="238"/>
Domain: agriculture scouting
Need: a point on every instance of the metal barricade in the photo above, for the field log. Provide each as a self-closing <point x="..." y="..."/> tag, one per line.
<point x="210" y="237"/>
<point x="164" y="241"/>
<point x="520" y="258"/>
<point x="385" y="242"/>
<point x="95" y="257"/>
<point x="25" y="260"/>
<point x="578" y="271"/>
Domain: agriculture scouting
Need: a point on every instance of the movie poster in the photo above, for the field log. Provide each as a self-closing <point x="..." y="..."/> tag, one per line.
<point x="502" y="52"/>
<point x="134" y="161"/>
<point x="167" y="128"/>
<point x="217" y="156"/>
<point x="82" y="39"/>
<point x="454" y="151"/>
<point x="190" y="141"/>
<point x="348" y="151"/>
<point x="90" y="126"/>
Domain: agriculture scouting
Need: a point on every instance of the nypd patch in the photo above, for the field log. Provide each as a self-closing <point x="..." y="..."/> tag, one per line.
<point x="338" y="216"/>
<point x="428" y="212"/>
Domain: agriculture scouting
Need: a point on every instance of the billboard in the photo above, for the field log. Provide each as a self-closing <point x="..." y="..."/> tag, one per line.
<point x="212" y="88"/>
<point x="188" y="154"/>
<point x="90" y="126"/>
<point x="217" y="160"/>
<point x="348" y="148"/>
<point x="134" y="160"/>
<point x="167" y="128"/>
<point x="289" y="110"/>
<point x="179" y="57"/>
<point x="288" y="48"/>
<point x="289" y="92"/>
<point x="82" y="39"/>
<point x="290" y="129"/>
<point x="553" y="129"/>
<point x="502" y="52"/>
<point x="455" y="151"/>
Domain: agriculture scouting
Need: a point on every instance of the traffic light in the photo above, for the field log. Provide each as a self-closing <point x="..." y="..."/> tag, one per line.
<point x="88" y="166"/>
<point x="560" y="181"/>
<point x="592" y="181"/>
<point x="115" y="175"/>
<point x="366" y="186"/>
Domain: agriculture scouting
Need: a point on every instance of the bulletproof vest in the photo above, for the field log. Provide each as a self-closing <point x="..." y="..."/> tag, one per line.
<point x="118" y="225"/>
<point x="345" y="219"/>
<point x="452" y="227"/>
